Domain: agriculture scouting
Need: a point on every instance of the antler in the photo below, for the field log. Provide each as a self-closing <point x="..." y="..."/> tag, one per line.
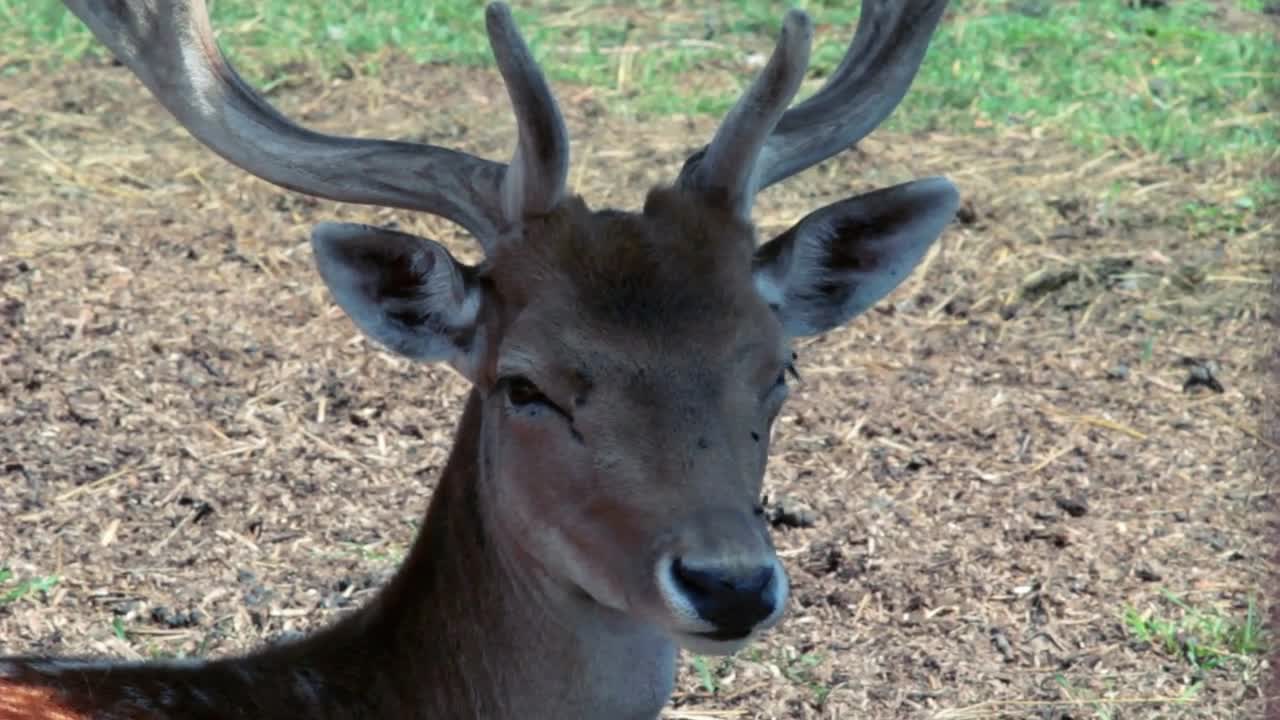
<point x="169" y="46"/>
<point x="535" y="180"/>
<point x="729" y="167"/>
<point x="878" y="68"/>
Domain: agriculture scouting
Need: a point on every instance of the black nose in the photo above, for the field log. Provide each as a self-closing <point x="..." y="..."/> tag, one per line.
<point x="734" y="600"/>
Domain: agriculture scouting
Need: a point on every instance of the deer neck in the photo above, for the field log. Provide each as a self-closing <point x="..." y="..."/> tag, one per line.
<point x="466" y="629"/>
<point x="469" y="623"/>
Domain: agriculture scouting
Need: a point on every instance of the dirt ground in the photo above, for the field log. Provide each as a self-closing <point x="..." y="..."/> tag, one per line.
<point x="1000" y="458"/>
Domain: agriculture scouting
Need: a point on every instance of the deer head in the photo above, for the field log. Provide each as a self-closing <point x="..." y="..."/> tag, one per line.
<point x="628" y="366"/>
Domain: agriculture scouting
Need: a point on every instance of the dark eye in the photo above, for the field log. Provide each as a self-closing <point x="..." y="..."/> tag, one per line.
<point x="521" y="392"/>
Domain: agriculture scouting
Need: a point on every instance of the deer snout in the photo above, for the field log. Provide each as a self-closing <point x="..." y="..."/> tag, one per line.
<point x="720" y="581"/>
<point x="733" y="599"/>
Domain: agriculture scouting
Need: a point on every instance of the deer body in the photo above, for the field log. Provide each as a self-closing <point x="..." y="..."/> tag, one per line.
<point x="601" y="506"/>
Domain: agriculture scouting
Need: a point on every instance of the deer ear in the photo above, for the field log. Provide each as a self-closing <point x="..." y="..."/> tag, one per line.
<point x="406" y="292"/>
<point x="840" y="260"/>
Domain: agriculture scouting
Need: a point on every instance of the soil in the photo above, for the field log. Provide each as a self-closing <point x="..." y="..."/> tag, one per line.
<point x="972" y="482"/>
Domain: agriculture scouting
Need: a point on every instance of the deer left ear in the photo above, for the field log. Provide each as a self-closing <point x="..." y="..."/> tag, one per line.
<point x="840" y="260"/>
<point x="406" y="292"/>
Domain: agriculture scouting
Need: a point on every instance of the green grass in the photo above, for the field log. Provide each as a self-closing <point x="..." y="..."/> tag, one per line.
<point x="118" y="629"/>
<point x="796" y="668"/>
<point x="12" y="592"/>
<point x="1164" y="80"/>
<point x="1204" y="638"/>
<point x="1171" y="80"/>
<point x="703" y="668"/>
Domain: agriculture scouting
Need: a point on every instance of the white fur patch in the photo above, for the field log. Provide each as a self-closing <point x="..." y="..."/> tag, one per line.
<point x="677" y="602"/>
<point x="701" y="645"/>
<point x="468" y="310"/>
<point x="781" y="590"/>
<point x="769" y="289"/>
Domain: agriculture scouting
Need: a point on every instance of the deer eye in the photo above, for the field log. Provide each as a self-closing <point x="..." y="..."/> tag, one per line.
<point x="521" y="392"/>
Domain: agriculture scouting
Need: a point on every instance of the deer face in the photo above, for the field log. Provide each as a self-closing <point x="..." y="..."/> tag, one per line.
<point x="630" y="396"/>
<point x="630" y="364"/>
<point x="631" y="367"/>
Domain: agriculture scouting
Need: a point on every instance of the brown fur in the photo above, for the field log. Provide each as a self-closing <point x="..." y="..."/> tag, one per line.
<point x="677" y="260"/>
<point x="33" y="702"/>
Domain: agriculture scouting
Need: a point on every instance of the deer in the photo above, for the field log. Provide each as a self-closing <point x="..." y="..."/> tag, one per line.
<point x="601" y="508"/>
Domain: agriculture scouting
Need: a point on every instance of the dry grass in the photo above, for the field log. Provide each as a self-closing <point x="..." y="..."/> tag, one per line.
<point x="204" y="452"/>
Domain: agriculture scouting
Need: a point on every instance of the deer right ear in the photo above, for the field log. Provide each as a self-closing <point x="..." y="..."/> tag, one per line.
<point x="406" y="292"/>
<point x="840" y="260"/>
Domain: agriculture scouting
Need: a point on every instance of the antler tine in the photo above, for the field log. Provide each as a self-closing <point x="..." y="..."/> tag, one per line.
<point x="728" y="173"/>
<point x="535" y="179"/>
<point x="169" y="46"/>
<point x="876" y="72"/>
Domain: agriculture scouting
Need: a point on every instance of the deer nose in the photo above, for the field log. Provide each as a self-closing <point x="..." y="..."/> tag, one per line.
<point x="733" y="599"/>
